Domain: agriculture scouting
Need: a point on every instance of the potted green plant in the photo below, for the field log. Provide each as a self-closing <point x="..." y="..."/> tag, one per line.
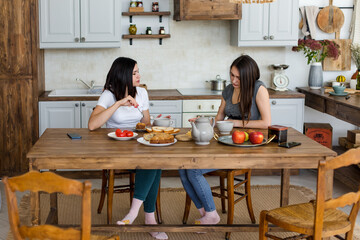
<point x="355" y="53"/>
<point x="315" y="52"/>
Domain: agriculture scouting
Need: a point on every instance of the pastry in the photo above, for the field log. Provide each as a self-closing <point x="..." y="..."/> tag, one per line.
<point x="140" y="125"/>
<point x="158" y="138"/>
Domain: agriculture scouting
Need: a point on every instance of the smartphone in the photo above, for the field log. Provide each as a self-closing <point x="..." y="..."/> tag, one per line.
<point x="74" y="136"/>
<point x="289" y="144"/>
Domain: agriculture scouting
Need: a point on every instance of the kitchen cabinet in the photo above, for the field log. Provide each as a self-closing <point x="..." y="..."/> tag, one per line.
<point x="268" y="24"/>
<point x="79" y="23"/>
<point x="206" y="10"/>
<point x="167" y="107"/>
<point x="288" y="112"/>
<point x="64" y="114"/>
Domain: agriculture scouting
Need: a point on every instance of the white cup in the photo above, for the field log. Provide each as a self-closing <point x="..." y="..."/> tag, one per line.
<point x="335" y="84"/>
<point x="353" y="83"/>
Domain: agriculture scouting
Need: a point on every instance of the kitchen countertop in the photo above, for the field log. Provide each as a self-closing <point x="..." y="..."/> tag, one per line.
<point x="173" y="94"/>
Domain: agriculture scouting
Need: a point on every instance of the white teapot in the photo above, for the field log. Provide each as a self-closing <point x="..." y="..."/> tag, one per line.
<point x="203" y="130"/>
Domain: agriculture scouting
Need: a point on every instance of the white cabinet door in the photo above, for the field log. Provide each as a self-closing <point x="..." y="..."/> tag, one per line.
<point x="86" y="110"/>
<point x="256" y="25"/>
<point x="283" y="20"/>
<point x="80" y="23"/>
<point x="100" y="20"/>
<point x="288" y="112"/>
<point x="59" y="21"/>
<point x="65" y="114"/>
<point x="268" y="24"/>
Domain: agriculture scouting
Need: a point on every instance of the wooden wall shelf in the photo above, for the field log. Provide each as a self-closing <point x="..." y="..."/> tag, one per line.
<point x="160" y="14"/>
<point x="144" y="36"/>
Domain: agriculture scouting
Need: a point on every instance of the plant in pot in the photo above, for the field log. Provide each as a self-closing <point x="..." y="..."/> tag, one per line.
<point x="355" y="53"/>
<point x="316" y="51"/>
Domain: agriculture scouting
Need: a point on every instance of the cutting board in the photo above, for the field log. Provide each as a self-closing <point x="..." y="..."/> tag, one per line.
<point x="348" y="90"/>
<point x="343" y="63"/>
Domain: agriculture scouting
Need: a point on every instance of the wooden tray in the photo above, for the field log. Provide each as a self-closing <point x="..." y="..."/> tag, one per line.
<point x="348" y="90"/>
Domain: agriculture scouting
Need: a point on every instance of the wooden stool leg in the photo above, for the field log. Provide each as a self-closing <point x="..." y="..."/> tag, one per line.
<point x="222" y="192"/>
<point x="158" y="207"/>
<point x="248" y="196"/>
<point x="132" y="186"/>
<point x="263" y="225"/>
<point x="187" y="208"/>
<point x="110" y="196"/>
<point x="103" y="191"/>
<point x="230" y="195"/>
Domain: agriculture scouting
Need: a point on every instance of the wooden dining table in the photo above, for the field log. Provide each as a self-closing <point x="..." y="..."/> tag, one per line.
<point x="96" y="150"/>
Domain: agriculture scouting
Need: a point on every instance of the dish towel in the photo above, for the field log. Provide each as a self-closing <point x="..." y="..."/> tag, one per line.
<point x="309" y="14"/>
<point x="355" y="23"/>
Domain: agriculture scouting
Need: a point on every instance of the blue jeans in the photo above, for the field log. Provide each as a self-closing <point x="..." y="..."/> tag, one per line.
<point x="198" y="188"/>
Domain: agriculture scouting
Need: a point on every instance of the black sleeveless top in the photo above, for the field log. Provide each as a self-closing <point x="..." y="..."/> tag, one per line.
<point x="232" y="110"/>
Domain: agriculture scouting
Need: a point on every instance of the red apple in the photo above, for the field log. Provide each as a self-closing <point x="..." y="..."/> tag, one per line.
<point x="256" y="137"/>
<point x="238" y="136"/>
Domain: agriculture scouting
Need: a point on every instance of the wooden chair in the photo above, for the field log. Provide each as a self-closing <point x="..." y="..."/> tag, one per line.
<point x="108" y="188"/>
<point x="50" y="183"/>
<point x="230" y="175"/>
<point x="321" y="218"/>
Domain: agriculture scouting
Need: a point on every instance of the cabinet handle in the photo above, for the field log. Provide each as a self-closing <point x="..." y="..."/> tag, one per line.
<point x="76" y="104"/>
<point x="213" y="107"/>
<point x="272" y="37"/>
<point x="83" y="104"/>
<point x="199" y="107"/>
<point x="273" y="102"/>
<point x="151" y="104"/>
<point x="266" y="37"/>
<point x="82" y="39"/>
<point x="77" y="39"/>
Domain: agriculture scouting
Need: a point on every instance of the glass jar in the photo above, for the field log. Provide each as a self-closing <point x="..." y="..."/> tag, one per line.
<point x="139" y="3"/>
<point x="358" y="80"/>
<point x="155" y="6"/>
<point x="132" y="29"/>
<point x="162" y="30"/>
<point x="133" y="4"/>
<point x="148" y="31"/>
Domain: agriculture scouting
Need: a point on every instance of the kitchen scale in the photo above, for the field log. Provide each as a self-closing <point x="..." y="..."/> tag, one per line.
<point x="279" y="79"/>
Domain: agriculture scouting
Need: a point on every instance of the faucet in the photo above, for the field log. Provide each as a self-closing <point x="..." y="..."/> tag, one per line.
<point x="91" y="86"/>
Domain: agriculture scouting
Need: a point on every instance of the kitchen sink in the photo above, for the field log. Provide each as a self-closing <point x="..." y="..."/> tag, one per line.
<point x="75" y="92"/>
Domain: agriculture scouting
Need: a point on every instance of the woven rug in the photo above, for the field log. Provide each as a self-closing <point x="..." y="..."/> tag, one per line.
<point x="172" y="206"/>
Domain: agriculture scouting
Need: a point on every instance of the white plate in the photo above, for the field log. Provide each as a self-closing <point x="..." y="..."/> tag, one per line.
<point x="113" y="135"/>
<point x="147" y="143"/>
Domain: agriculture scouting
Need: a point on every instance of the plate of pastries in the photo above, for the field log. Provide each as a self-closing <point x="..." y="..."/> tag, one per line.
<point x="156" y="139"/>
<point x="169" y="130"/>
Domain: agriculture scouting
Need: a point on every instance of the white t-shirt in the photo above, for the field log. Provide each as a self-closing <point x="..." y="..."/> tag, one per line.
<point x="124" y="116"/>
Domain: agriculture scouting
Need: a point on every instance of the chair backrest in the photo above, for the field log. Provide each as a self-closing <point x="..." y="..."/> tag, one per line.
<point x="353" y="198"/>
<point x="47" y="182"/>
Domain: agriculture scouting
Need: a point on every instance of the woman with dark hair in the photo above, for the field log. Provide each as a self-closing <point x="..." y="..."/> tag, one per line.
<point x="117" y="108"/>
<point x="244" y="102"/>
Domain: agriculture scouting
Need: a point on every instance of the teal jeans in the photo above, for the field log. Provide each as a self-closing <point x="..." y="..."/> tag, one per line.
<point x="146" y="187"/>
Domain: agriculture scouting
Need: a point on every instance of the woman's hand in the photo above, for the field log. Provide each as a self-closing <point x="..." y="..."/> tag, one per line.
<point x="193" y="119"/>
<point x="128" y="101"/>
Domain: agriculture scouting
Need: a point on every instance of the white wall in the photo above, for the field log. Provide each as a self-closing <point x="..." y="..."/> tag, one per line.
<point x="197" y="51"/>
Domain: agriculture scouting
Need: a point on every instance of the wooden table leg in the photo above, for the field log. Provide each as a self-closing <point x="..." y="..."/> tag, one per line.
<point x="34" y="199"/>
<point x="110" y="195"/>
<point x="285" y="187"/>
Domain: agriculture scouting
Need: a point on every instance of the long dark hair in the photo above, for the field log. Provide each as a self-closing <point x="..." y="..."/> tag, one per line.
<point x="119" y="78"/>
<point x="249" y="73"/>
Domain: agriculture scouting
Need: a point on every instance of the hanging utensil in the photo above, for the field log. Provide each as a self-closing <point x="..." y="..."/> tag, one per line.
<point x="330" y="19"/>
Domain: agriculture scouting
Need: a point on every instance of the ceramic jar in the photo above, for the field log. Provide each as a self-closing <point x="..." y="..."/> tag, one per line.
<point x="315" y="76"/>
<point x="132" y="29"/>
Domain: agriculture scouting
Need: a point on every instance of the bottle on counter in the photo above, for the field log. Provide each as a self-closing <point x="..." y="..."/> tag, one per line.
<point x="162" y="31"/>
<point x="148" y="31"/>
<point x="155" y="6"/>
<point x="132" y="29"/>
<point x="358" y="80"/>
